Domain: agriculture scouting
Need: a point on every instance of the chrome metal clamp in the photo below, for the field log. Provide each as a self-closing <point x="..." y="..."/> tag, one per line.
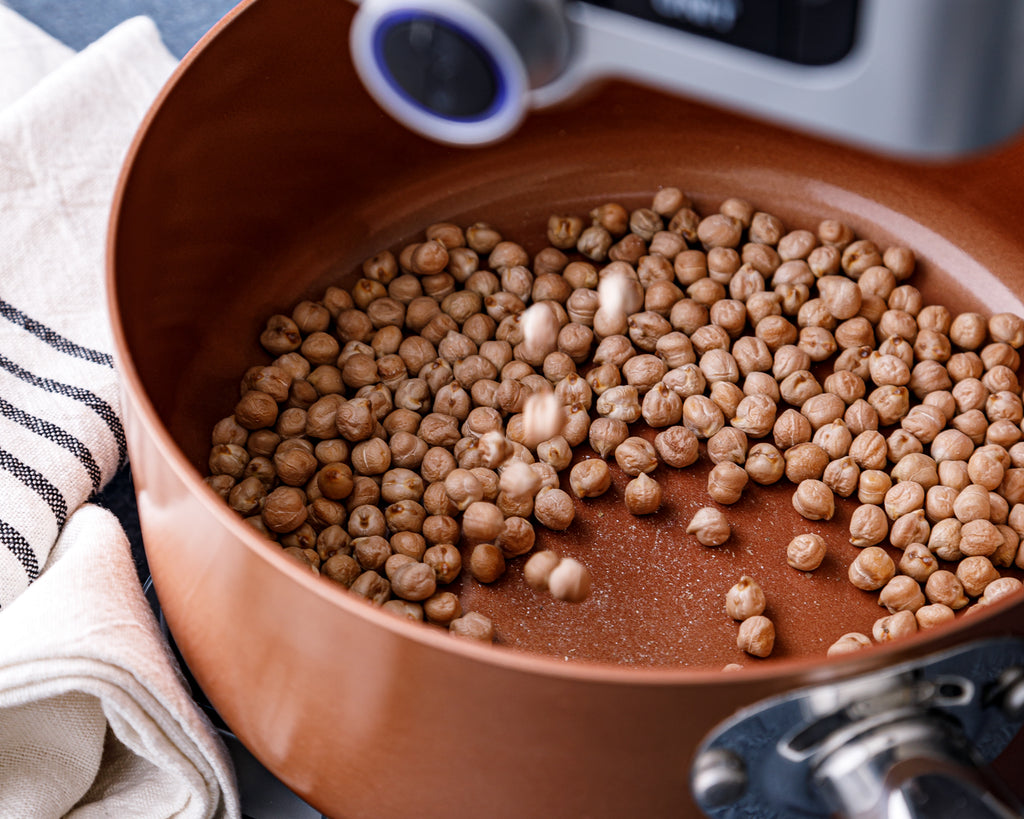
<point x="907" y="742"/>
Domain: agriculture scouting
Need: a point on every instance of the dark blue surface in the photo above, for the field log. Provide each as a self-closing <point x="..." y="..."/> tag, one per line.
<point x="78" y="22"/>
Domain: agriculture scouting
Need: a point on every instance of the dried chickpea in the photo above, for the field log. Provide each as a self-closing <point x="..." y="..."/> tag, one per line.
<point x="486" y="563"/>
<point x="553" y="509"/>
<point x="569" y="580"/>
<point x="806" y="552"/>
<point x="745" y="599"/>
<point x="517" y="536"/>
<point x="872" y="569"/>
<point x="636" y="455"/>
<point x="900" y="624"/>
<point x="676" y="446"/>
<point x="728" y="444"/>
<point x="901" y="593"/>
<point x="413" y="581"/>
<point x="814" y="500"/>
<point x="842" y="476"/>
<point x="538" y="568"/>
<point x="642" y="495"/>
<point x="975" y="573"/>
<point x="980" y="537"/>
<point x="848" y="643"/>
<point x="805" y="462"/>
<point x="933" y="615"/>
<point x="999" y="589"/>
<point x="473" y="626"/>
<point x="944" y="587"/>
<point x="726" y="482"/>
<point x="765" y="464"/>
<point x="590" y="478"/>
<point x="756" y="636"/>
<point x="709" y="526"/>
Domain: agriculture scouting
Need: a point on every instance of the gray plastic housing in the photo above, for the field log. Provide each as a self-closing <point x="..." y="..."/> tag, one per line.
<point x="925" y="79"/>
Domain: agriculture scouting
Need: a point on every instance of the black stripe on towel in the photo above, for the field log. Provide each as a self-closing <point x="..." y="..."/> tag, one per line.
<point x="37" y="482"/>
<point x="91" y="400"/>
<point x="52" y="337"/>
<point x="18" y="546"/>
<point x="59" y="436"/>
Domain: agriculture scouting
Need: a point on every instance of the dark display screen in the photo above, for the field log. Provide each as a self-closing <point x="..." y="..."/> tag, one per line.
<point x="808" y="32"/>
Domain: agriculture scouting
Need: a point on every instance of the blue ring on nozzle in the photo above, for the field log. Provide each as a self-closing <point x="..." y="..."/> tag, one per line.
<point x="406" y="16"/>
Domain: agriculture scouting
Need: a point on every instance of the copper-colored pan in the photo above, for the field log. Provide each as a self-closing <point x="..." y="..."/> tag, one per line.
<point x="263" y="174"/>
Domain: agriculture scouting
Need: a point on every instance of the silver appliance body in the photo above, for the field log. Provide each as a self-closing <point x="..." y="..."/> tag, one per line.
<point x="926" y="79"/>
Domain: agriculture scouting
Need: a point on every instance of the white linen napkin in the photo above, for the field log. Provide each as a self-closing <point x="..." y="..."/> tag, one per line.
<point x="95" y="719"/>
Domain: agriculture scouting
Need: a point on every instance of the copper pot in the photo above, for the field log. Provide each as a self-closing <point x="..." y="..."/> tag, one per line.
<point x="264" y="173"/>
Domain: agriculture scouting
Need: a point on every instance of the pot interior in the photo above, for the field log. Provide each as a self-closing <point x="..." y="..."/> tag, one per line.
<point x="266" y="175"/>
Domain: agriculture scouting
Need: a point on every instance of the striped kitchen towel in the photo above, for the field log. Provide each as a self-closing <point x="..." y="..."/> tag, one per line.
<point x="95" y="719"/>
<point x="61" y="438"/>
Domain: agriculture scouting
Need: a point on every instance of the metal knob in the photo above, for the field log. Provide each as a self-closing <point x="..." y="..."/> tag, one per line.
<point x="458" y="71"/>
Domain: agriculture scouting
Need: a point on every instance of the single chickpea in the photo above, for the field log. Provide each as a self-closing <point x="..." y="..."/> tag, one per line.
<point x="709" y="526"/>
<point x="791" y="428"/>
<point x="848" y="643"/>
<point x="569" y="580"/>
<point x="980" y="537"/>
<point x="944" y="540"/>
<point x="872" y="569"/>
<point x="968" y="330"/>
<point x="814" y="500"/>
<point x="621" y="403"/>
<point x="473" y="626"/>
<point x="553" y="509"/>
<point x="895" y="626"/>
<point x="463" y="488"/>
<point x="482" y="522"/>
<point x="765" y="464"/>
<point x="642" y="495"/>
<point x="999" y="589"/>
<point x="756" y="636"/>
<point x="745" y="599"/>
<point x="918" y="562"/>
<point x="413" y="581"/>
<point x="636" y="455"/>
<point x="842" y="476"/>
<point x="903" y="498"/>
<point x="676" y="446"/>
<point x="728" y="444"/>
<point x="486" y="563"/>
<point x="590" y="478"/>
<point x="944" y="587"/>
<point x="606" y="434"/>
<point x="901" y="593"/>
<point x="975" y="573"/>
<point x="661" y="406"/>
<point x="755" y="415"/>
<point x="805" y="462"/>
<point x="726" y="482"/>
<point x="933" y="615"/>
<point x="973" y="503"/>
<point x="806" y="552"/>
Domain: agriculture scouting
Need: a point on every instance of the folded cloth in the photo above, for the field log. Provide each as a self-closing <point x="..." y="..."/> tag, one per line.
<point x="95" y="719"/>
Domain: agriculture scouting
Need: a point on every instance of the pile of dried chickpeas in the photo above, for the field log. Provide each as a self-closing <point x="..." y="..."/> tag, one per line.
<point x="416" y="428"/>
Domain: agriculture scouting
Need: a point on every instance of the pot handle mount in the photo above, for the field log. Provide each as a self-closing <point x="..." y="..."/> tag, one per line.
<point x="909" y="742"/>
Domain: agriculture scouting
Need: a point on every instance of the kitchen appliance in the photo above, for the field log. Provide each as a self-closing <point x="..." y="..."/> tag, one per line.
<point x="264" y="173"/>
<point x="920" y="78"/>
